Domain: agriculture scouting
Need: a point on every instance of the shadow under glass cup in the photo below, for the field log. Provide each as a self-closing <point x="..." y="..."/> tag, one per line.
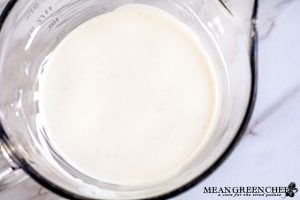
<point x="32" y="29"/>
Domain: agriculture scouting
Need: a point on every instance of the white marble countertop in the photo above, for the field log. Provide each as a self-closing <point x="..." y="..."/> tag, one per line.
<point x="268" y="154"/>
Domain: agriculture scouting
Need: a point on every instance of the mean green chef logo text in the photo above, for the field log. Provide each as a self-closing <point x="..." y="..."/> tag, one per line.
<point x="254" y="191"/>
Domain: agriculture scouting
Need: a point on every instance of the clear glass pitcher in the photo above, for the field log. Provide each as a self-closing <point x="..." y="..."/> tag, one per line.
<point x="31" y="29"/>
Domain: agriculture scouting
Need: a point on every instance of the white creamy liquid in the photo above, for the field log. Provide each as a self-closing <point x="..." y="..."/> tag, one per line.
<point x="129" y="97"/>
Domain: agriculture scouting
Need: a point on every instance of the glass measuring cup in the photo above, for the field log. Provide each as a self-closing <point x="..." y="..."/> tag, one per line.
<point x="31" y="29"/>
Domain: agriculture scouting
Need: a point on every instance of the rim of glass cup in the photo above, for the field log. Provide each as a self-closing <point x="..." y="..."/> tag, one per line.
<point x="242" y="129"/>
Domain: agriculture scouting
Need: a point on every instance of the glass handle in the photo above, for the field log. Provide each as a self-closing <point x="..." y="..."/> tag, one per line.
<point x="10" y="174"/>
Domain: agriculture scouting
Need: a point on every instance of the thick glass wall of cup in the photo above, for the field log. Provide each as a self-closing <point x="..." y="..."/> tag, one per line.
<point x="32" y="34"/>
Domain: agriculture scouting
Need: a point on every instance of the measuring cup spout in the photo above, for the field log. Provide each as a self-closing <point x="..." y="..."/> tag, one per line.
<point x="241" y="11"/>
